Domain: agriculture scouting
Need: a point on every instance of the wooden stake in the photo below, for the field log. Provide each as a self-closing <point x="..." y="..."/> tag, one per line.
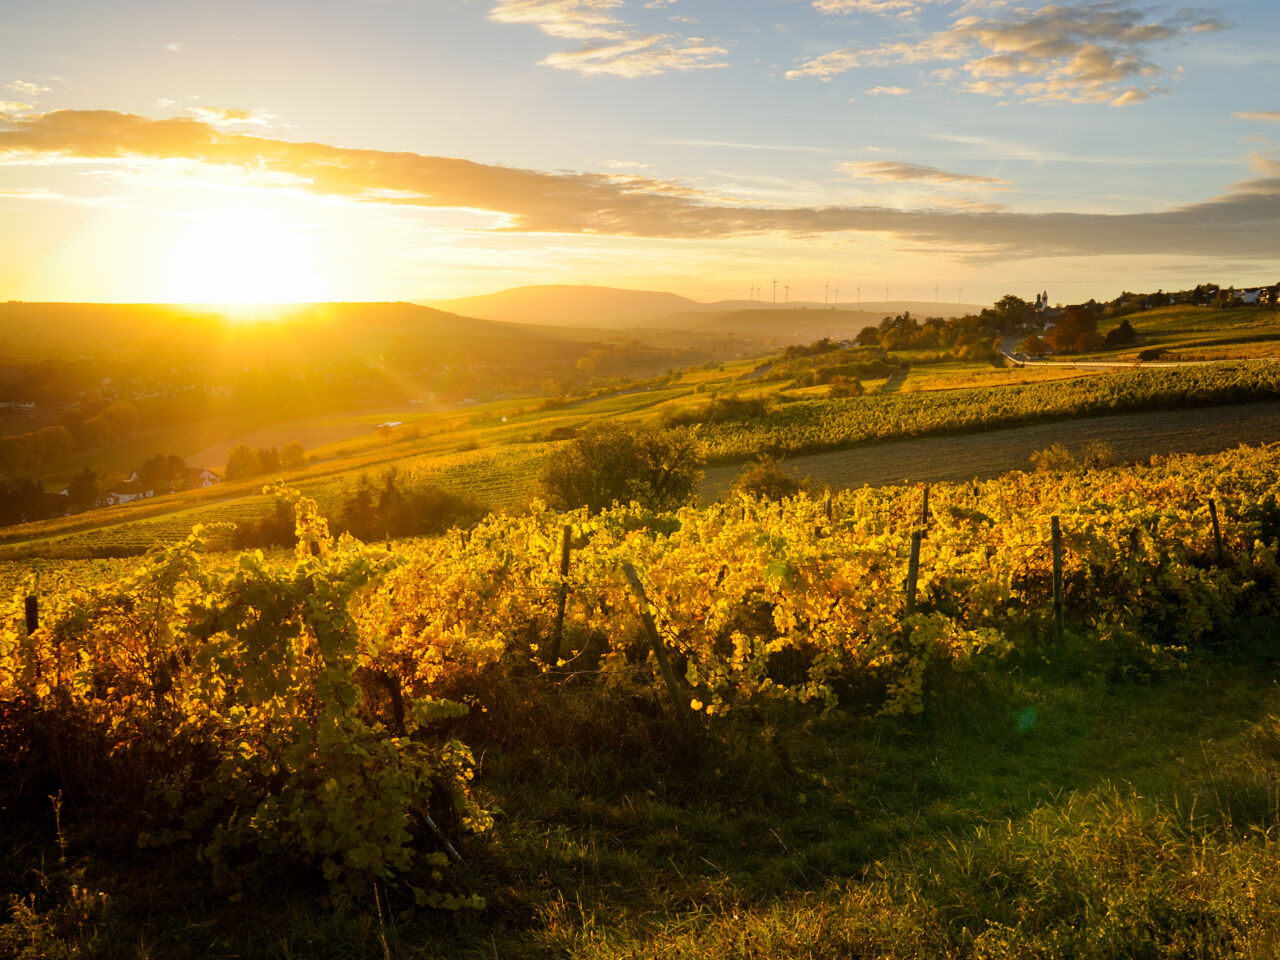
<point x="566" y="544"/>
<point x="1056" y="531"/>
<point x="913" y="572"/>
<point x="678" y="700"/>
<point x="1217" y="531"/>
<point x="33" y="614"/>
<point x="924" y="509"/>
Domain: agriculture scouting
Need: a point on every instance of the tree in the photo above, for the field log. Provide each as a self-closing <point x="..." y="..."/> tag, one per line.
<point x="1072" y="331"/>
<point x="85" y="490"/>
<point x="162" y="473"/>
<point x="293" y="456"/>
<point x="242" y="462"/>
<point x="658" y="469"/>
<point x="1122" y="336"/>
<point x="1035" y="346"/>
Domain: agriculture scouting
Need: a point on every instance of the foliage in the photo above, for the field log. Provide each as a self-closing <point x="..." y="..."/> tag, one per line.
<point x="225" y="707"/>
<point x="245" y="461"/>
<point x="394" y="510"/>
<point x="721" y="409"/>
<point x="1095" y="454"/>
<point x="766" y="480"/>
<point x="659" y="469"/>
<point x="811" y="425"/>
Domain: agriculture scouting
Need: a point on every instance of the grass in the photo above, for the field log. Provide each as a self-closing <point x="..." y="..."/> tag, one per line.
<point x="1033" y="812"/>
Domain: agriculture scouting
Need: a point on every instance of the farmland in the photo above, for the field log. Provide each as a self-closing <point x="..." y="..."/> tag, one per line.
<point x="838" y="762"/>
<point x="842" y="740"/>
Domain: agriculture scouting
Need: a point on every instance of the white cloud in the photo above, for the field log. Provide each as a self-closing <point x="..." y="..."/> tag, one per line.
<point x="27" y="89"/>
<point x="609" y="44"/>
<point x="1092" y="53"/>
<point x="889" y="91"/>
<point x="904" y="8"/>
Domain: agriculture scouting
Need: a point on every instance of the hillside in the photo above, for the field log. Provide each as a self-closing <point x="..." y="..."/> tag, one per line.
<point x="610" y="308"/>
<point x="598" y="307"/>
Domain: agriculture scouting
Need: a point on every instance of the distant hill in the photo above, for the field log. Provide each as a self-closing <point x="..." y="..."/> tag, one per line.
<point x="300" y="331"/>
<point x="611" y="308"/>
<point x="581" y="306"/>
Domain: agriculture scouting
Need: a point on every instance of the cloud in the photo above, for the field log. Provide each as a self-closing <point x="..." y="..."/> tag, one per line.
<point x="1258" y="116"/>
<point x="899" y="7"/>
<point x="222" y="117"/>
<point x="567" y="19"/>
<point x="1092" y="53"/>
<point x="608" y="44"/>
<point x="27" y="89"/>
<point x="1237" y="224"/>
<point x="640" y="56"/>
<point x="897" y="170"/>
<point x="13" y="106"/>
<point x="889" y="91"/>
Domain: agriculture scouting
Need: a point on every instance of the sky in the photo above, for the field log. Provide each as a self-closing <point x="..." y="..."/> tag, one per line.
<point x="852" y="150"/>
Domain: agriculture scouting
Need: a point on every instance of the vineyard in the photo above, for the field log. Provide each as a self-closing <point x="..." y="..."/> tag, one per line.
<point x="307" y="713"/>
<point x="808" y="426"/>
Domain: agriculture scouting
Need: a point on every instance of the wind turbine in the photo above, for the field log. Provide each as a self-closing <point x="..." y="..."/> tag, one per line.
<point x="826" y="290"/>
<point x="886" y="296"/>
<point x="786" y="293"/>
<point x="959" y="291"/>
<point x="775" y="293"/>
<point x="836" y="301"/>
<point x="859" y="293"/>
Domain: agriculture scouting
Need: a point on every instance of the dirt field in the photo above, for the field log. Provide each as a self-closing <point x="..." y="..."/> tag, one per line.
<point x="1135" y="436"/>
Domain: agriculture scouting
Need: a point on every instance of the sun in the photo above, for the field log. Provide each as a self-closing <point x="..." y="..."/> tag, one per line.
<point x="245" y="252"/>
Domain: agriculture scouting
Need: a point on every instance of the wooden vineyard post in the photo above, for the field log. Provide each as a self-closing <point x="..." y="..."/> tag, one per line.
<point x="924" y="509"/>
<point x="830" y="509"/>
<point x="1217" y="531"/>
<point x="678" y="700"/>
<point x="566" y="544"/>
<point x="1056" y="531"/>
<point x="33" y="614"/>
<point x="913" y="572"/>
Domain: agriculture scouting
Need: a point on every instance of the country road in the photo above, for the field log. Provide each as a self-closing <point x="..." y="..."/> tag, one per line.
<point x="1135" y="436"/>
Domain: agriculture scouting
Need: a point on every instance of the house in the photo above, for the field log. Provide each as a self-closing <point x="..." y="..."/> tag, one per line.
<point x="199" y="477"/>
<point x="126" y="492"/>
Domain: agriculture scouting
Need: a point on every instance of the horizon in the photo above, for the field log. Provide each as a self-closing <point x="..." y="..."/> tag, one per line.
<point x="399" y="151"/>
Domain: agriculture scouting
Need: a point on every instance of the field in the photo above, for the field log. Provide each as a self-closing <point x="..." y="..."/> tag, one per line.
<point x="858" y="777"/>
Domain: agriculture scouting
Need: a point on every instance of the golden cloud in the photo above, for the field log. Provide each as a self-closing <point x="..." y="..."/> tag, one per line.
<point x="1239" y="224"/>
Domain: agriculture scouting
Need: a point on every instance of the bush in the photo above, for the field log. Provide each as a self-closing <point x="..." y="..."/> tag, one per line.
<point x="766" y="480"/>
<point x="842" y="387"/>
<point x="719" y="410"/>
<point x="396" y="510"/>
<point x="659" y="469"/>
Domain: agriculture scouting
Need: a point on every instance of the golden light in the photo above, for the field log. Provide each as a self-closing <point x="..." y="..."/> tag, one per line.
<point x="251" y="250"/>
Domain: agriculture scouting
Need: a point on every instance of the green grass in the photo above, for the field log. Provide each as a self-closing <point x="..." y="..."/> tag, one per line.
<point x="1041" y="812"/>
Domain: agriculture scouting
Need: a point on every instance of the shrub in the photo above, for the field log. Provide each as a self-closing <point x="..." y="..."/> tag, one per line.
<point x="766" y="480"/>
<point x="659" y="469"/>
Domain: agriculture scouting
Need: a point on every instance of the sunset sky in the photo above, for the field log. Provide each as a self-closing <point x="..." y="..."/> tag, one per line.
<point x="221" y="150"/>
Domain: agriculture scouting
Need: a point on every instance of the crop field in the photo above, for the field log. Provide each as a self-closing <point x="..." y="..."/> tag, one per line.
<point x="1132" y="437"/>
<point x="864" y="750"/>
<point x="812" y="425"/>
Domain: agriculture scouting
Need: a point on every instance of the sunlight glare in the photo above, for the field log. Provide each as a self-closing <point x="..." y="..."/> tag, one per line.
<point x="245" y="253"/>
